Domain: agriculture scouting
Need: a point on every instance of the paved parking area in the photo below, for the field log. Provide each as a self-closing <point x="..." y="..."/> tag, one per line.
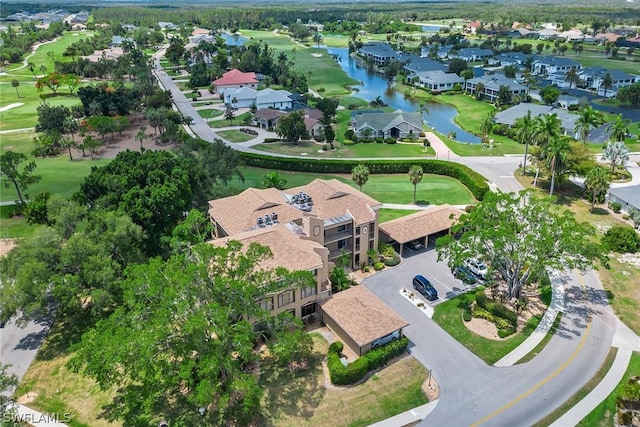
<point x="422" y="261"/>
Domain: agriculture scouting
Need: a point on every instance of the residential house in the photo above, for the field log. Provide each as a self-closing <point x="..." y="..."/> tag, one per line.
<point x="361" y="320"/>
<point x="628" y="197"/>
<point x="547" y="34"/>
<point x="235" y="79"/>
<point x="441" y="52"/>
<point x="492" y="84"/>
<point x="472" y="54"/>
<point x="629" y="42"/>
<point x="474" y="27"/>
<point x="593" y="78"/>
<point x="313" y="126"/>
<point x="378" y="53"/>
<point x="553" y="65"/>
<point x="295" y="254"/>
<point x="167" y="26"/>
<point x="573" y="35"/>
<point x="566" y="101"/>
<point x="602" y="38"/>
<point x="417" y="65"/>
<point x="521" y="33"/>
<point x="509" y="59"/>
<point x="510" y="115"/>
<point x="438" y="81"/>
<point x="120" y="41"/>
<point x="266" y="98"/>
<point x="386" y="125"/>
<point x="267" y="118"/>
<point x="329" y="212"/>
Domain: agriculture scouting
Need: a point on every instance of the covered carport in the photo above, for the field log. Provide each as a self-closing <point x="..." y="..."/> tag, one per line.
<point x="361" y="320"/>
<point x="419" y="226"/>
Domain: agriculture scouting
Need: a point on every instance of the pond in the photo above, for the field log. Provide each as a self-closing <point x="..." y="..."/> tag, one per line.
<point x="440" y="116"/>
<point x="233" y="40"/>
<point x="432" y="28"/>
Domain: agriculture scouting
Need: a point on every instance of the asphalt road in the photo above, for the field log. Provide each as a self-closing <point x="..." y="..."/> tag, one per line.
<point x="473" y="393"/>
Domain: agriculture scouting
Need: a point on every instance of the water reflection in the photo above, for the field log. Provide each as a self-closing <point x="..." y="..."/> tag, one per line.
<point x="233" y="40"/>
<point x="372" y="85"/>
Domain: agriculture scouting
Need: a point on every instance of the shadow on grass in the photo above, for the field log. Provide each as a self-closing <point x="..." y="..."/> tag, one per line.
<point x="292" y="394"/>
<point x="62" y="336"/>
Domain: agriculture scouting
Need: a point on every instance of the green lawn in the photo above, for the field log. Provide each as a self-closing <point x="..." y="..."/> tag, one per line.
<point x="604" y="414"/>
<point x="325" y="72"/>
<point x="311" y="148"/>
<point x="449" y="316"/>
<point x="14" y="226"/>
<point x="432" y="190"/>
<point x="210" y="113"/>
<point x="385" y="215"/>
<point x="626" y="66"/>
<point x="235" y="136"/>
<point x="253" y="177"/>
<point x="237" y="121"/>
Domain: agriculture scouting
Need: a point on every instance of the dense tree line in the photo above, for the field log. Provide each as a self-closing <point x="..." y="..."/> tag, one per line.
<point x="17" y="44"/>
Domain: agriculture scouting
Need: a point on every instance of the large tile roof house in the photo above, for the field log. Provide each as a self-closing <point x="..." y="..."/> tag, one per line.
<point x="330" y="212"/>
<point x="235" y="79"/>
<point x="266" y="98"/>
<point x="394" y="125"/>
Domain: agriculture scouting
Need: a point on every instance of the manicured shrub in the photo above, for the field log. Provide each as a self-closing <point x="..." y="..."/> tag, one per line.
<point x="615" y="206"/>
<point x="352" y="107"/>
<point x="391" y="261"/>
<point x="336" y="347"/>
<point x="366" y="140"/>
<point x="377" y="266"/>
<point x="501" y="310"/>
<point x="267" y="140"/>
<point x="390" y="141"/>
<point x="503" y="333"/>
<point x="345" y="375"/>
<point x="318" y="138"/>
<point x="481" y="299"/>
<point x="380" y="356"/>
<point x="325" y="147"/>
<point x="320" y="90"/>
<point x="466" y="316"/>
<point x="481" y="313"/>
<point x="349" y="142"/>
<point x="475" y="182"/>
<point x="379" y="140"/>
<point x="622" y="239"/>
<point x="350" y="134"/>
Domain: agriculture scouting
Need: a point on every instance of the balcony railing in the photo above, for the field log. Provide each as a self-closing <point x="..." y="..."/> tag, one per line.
<point x="336" y="236"/>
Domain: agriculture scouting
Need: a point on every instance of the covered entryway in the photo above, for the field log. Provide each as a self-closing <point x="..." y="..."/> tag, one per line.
<point x="420" y="226"/>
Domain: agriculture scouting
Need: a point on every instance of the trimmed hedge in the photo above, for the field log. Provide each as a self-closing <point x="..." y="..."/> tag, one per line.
<point x="356" y="370"/>
<point x="475" y="182"/>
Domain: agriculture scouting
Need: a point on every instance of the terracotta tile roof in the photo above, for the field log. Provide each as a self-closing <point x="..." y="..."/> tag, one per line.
<point x="331" y="199"/>
<point x="288" y="249"/>
<point x="420" y="224"/>
<point x="235" y="77"/>
<point x="362" y="315"/>
<point x="239" y="213"/>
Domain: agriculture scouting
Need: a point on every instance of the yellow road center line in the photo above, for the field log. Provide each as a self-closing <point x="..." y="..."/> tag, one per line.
<point x="583" y="341"/>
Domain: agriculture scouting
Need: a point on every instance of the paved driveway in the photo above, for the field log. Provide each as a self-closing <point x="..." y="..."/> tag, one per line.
<point x="473" y="393"/>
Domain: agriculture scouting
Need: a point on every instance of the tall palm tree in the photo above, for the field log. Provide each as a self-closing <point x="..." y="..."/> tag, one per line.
<point x="619" y="129"/>
<point x="597" y="183"/>
<point x="572" y="77"/>
<point x="589" y="119"/>
<point x="479" y="92"/>
<point x="360" y="175"/>
<point x="556" y="153"/>
<point x="486" y="125"/>
<point x="546" y="127"/>
<point x="525" y="127"/>
<point x="415" y="176"/>
<point x="607" y="83"/>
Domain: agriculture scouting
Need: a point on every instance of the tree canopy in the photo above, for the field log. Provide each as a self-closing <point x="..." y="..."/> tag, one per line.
<point x="181" y="347"/>
<point x="521" y="235"/>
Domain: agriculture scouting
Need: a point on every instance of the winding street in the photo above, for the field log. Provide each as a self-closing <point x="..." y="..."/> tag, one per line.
<point x="473" y="393"/>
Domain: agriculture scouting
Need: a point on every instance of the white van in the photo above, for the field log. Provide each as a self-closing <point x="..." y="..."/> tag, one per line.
<point x="477" y="267"/>
<point x="386" y="339"/>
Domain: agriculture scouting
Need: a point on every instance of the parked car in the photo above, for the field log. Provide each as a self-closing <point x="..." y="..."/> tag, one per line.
<point x="465" y="275"/>
<point x="478" y="268"/>
<point x="415" y="245"/>
<point x="424" y="286"/>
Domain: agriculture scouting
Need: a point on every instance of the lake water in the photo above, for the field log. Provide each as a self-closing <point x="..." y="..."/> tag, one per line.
<point x="233" y="40"/>
<point x="432" y="28"/>
<point x="440" y="116"/>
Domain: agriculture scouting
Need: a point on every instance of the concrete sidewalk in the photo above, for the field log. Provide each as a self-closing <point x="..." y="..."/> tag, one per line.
<point x="442" y="151"/>
<point x="556" y="306"/>
<point x="411" y="416"/>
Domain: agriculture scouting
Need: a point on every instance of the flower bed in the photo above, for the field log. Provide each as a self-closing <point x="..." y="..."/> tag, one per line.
<point x="425" y="308"/>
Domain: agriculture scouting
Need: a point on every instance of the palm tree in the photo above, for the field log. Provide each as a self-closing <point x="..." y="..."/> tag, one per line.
<point x="525" y="127"/>
<point x="589" y="119"/>
<point x="617" y="152"/>
<point x="415" y="176"/>
<point x="546" y="127"/>
<point x="597" y="183"/>
<point x="607" y="83"/>
<point x="619" y="129"/>
<point x="556" y="158"/>
<point x="572" y="77"/>
<point x="317" y="38"/>
<point x="486" y="126"/>
<point x="360" y="175"/>
<point x="479" y="92"/>
<point x="140" y="136"/>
